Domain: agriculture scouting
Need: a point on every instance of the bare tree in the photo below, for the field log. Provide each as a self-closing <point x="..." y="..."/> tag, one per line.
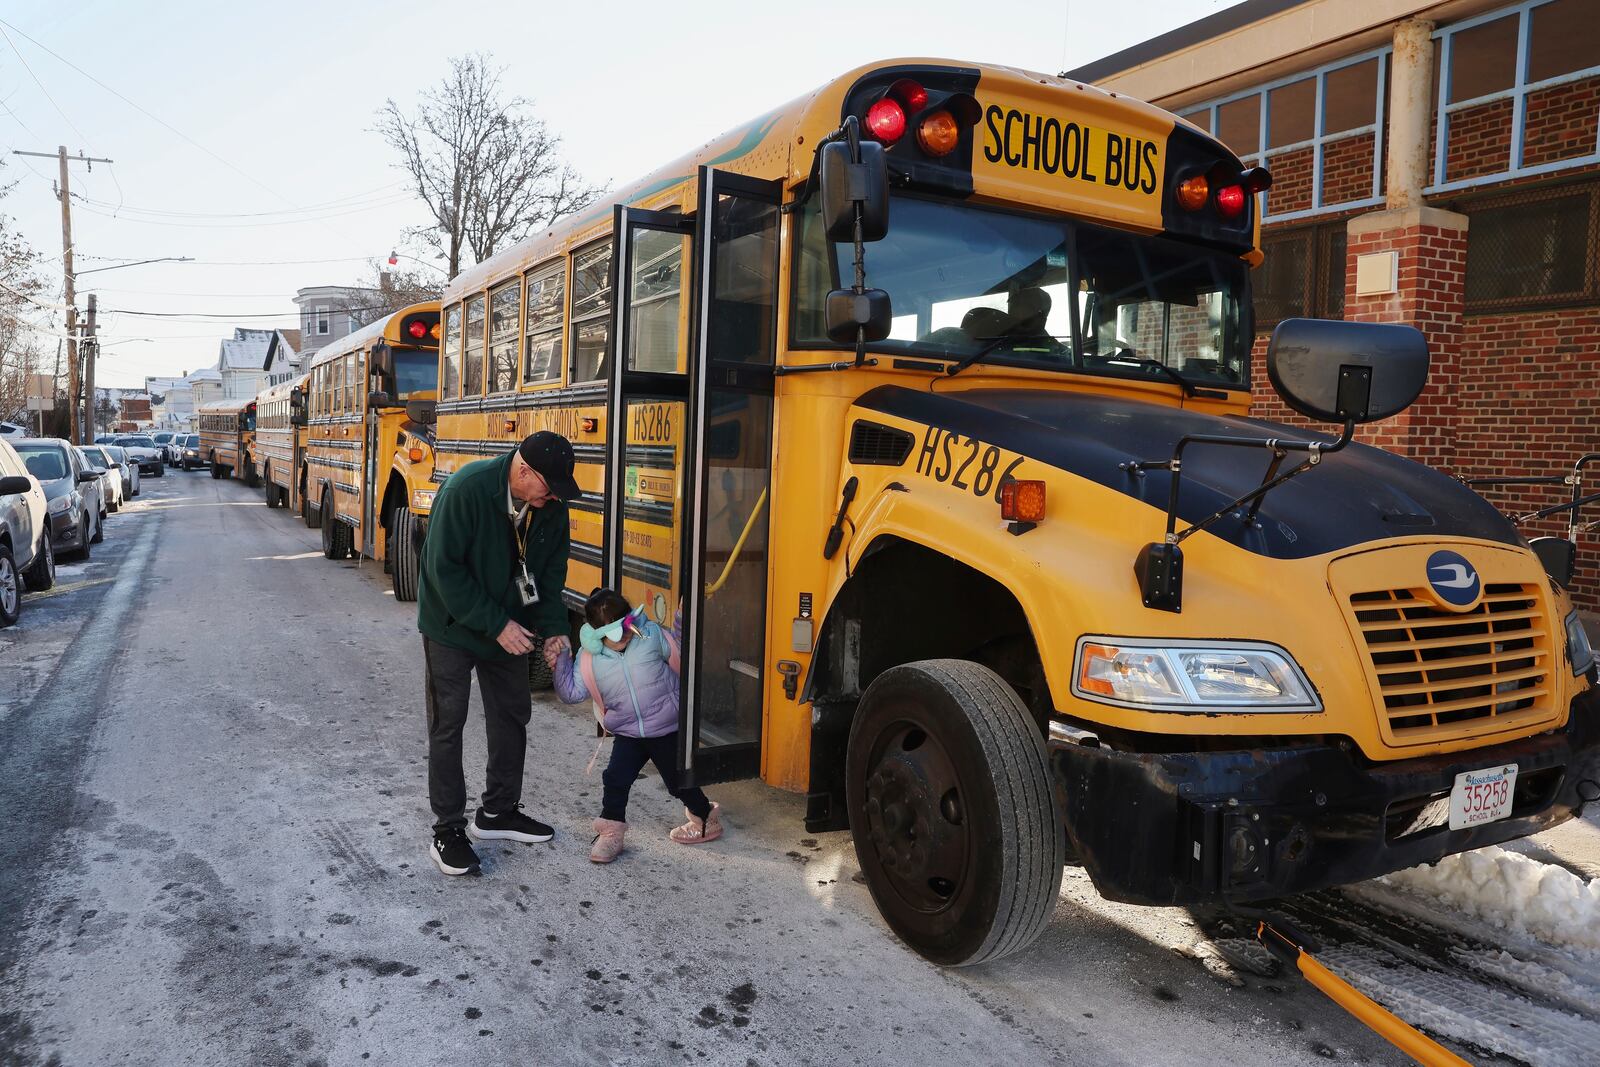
<point x="21" y="289"/>
<point x="487" y="167"/>
<point x="383" y="290"/>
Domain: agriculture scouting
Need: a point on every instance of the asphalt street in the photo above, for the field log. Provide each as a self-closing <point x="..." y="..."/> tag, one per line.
<point x="214" y="812"/>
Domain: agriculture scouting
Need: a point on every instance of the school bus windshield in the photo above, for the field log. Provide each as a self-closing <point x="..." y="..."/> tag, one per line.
<point x="963" y="278"/>
<point x="415" y="370"/>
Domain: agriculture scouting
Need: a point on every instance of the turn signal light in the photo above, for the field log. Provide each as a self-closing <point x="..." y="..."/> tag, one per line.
<point x="1193" y="192"/>
<point x="1230" y="201"/>
<point x="1022" y="501"/>
<point x="938" y="134"/>
<point x="1088" y="679"/>
<point x="510" y="425"/>
<point x="886" y="121"/>
<point x="590" y="424"/>
<point x="415" y="455"/>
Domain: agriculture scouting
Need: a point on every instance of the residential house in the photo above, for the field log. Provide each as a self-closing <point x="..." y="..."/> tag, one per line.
<point x="205" y="387"/>
<point x="240" y="362"/>
<point x="283" y="356"/>
<point x="329" y="312"/>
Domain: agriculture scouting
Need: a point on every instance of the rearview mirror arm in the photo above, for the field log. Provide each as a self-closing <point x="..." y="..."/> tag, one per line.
<point x="852" y="132"/>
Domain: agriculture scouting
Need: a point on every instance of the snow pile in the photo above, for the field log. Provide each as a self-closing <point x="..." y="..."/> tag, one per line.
<point x="1512" y="892"/>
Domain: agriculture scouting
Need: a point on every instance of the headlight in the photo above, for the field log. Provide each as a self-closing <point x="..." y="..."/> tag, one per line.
<point x="1217" y="676"/>
<point x="60" y="504"/>
<point x="422" y="499"/>
<point x="1580" y="653"/>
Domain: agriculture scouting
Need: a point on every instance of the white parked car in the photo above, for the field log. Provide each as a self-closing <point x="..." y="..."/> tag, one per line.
<point x="130" y="470"/>
<point x="142" y="449"/>
<point x="114" y="483"/>
<point x="26" y="552"/>
<point x="11" y="431"/>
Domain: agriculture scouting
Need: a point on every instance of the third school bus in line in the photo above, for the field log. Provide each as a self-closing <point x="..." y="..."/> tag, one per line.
<point x="367" y="477"/>
<point x="980" y="550"/>
<point x="281" y="442"/>
<point x="227" y="438"/>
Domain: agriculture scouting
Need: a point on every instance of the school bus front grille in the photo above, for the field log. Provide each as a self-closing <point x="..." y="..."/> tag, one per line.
<point x="1444" y="675"/>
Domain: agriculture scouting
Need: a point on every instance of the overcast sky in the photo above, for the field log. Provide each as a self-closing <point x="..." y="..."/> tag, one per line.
<point x="241" y="133"/>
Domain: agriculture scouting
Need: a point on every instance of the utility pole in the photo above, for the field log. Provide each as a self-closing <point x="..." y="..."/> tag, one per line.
<point x="64" y="194"/>
<point x="91" y="349"/>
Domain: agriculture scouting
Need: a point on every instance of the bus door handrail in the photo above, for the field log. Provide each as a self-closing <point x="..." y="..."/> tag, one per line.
<point x="738" y="546"/>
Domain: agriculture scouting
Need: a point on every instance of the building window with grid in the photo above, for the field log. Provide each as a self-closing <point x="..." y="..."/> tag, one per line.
<point x="1302" y="275"/>
<point x="1534" y="249"/>
<point x="1518" y="93"/>
<point x="1320" y="132"/>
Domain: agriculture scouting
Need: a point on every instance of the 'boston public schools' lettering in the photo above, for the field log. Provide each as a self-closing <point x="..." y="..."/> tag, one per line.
<point x="1025" y="140"/>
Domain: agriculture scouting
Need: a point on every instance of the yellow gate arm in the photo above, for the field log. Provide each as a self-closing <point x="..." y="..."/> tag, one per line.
<point x="738" y="546"/>
<point x="1391" y="1028"/>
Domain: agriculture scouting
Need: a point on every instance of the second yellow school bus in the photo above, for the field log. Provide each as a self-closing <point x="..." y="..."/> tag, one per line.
<point x="968" y="548"/>
<point x="368" y="473"/>
<point x="281" y="440"/>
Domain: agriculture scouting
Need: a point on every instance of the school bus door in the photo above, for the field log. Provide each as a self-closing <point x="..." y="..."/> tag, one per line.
<point x="695" y="430"/>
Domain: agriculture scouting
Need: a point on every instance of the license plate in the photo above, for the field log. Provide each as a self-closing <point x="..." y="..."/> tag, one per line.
<point x="1482" y="796"/>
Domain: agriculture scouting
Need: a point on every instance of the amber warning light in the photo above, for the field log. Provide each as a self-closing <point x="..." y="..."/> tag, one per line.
<point x="1022" y="501"/>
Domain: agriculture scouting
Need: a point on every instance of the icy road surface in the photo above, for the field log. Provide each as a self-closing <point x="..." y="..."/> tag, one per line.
<point x="214" y="821"/>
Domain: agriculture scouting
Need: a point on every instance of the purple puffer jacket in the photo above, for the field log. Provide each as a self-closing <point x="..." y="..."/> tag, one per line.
<point x="638" y="684"/>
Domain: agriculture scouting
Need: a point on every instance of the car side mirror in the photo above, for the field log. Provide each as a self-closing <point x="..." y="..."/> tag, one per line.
<point x="849" y="311"/>
<point x="846" y="184"/>
<point x="15" y="485"/>
<point x="422" y="412"/>
<point x="85" y="477"/>
<point x="379" y="399"/>
<point x="1347" y="371"/>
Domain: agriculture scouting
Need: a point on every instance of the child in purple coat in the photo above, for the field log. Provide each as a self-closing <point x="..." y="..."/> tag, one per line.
<point x="628" y="666"/>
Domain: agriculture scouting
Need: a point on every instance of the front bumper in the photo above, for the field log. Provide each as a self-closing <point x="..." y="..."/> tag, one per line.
<point x="1214" y="827"/>
<point x="64" y="533"/>
<point x="149" y="466"/>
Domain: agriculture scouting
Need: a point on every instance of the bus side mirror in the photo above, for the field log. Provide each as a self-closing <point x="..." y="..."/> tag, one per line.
<point x="421" y="412"/>
<point x="297" y="407"/>
<point x="1347" y="371"/>
<point x="379" y="399"/>
<point x="849" y="311"/>
<point x="846" y="184"/>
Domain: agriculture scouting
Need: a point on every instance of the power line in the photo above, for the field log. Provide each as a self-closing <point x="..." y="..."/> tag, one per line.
<point x="252" y="262"/>
<point x="240" y="225"/>
<point x="232" y="315"/>
<point x="380" y="195"/>
<point x="36" y="80"/>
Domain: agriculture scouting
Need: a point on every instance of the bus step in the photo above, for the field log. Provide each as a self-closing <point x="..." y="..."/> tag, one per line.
<point x="746" y="669"/>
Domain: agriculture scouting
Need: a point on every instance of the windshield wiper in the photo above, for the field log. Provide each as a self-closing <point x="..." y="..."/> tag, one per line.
<point x="966" y="361"/>
<point x="1189" y="388"/>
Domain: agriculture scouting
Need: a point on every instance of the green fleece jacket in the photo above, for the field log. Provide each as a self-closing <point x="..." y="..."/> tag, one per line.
<point x="469" y="560"/>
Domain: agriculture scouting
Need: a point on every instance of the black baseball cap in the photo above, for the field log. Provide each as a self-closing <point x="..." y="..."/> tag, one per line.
<point x="551" y="455"/>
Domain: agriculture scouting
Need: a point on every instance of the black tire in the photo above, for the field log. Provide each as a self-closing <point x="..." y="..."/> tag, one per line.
<point x="313" y="516"/>
<point x="161" y="470"/>
<point x="954" y="819"/>
<point x="10" y="588"/>
<point x="99" y="529"/>
<point x="335" y="534"/>
<point x="42" y="574"/>
<point x="216" y="468"/>
<point x="186" y="466"/>
<point x="539" y="675"/>
<point x="83" y="539"/>
<point x="249" y="468"/>
<point x="404" y="559"/>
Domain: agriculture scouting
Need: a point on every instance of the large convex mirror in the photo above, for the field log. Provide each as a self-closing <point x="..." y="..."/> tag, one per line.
<point x="846" y="184"/>
<point x="1347" y="371"/>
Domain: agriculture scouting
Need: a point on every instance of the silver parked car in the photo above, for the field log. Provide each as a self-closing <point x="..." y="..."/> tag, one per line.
<point x="73" y="497"/>
<point x="130" y="470"/>
<point x="166" y="440"/>
<point x="25" y="551"/>
<point x="100" y="460"/>
<point x="142" y="449"/>
<point x="189" y="455"/>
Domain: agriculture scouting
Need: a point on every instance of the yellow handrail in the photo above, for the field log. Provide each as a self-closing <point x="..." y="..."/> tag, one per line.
<point x="738" y="546"/>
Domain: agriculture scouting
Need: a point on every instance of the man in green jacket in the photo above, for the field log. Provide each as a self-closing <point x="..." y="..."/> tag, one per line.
<point x="493" y="569"/>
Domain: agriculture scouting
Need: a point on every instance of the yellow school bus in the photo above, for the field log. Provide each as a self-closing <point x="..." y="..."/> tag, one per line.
<point x="227" y="438"/>
<point x="281" y="441"/>
<point x="928" y="394"/>
<point x="368" y="473"/>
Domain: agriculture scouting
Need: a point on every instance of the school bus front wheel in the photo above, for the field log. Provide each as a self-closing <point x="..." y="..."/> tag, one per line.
<point x="952" y="811"/>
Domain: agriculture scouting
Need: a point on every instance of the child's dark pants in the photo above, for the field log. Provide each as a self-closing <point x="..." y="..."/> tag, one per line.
<point x="628" y="757"/>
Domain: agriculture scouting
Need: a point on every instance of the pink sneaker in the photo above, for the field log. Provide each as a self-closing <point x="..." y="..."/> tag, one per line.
<point x="698" y="831"/>
<point x="607" y="840"/>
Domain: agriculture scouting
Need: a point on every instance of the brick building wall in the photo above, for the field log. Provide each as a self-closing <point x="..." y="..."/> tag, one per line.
<point x="1514" y="393"/>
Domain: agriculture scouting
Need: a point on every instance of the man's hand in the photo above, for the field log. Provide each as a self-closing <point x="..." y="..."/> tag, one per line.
<point x="515" y="639"/>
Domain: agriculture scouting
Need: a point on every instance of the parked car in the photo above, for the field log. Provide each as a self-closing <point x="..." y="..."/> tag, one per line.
<point x="130" y="470"/>
<point x="99" y="460"/>
<point x="143" y="450"/>
<point x="11" y="431"/>
<point x="166" y="440"/>
<point x="73" y="498"/>
<point x="26" y="556"/>
<point x="190" y="456"/>
<point x="106" y="438"/>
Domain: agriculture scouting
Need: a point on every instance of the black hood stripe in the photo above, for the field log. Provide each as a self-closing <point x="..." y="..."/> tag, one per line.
<point x="1354" y="497"/>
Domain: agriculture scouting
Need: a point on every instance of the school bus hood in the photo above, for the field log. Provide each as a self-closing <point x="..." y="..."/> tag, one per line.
<point x="1356" y="496"/>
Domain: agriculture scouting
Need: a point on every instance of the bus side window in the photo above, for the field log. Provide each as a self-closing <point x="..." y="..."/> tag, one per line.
<point x="543" y="323"/>
<point x="591" y="310"/>
<point x="473" y="337"/>
<point x="450" y="355"/>
<point x="505" y="324"/>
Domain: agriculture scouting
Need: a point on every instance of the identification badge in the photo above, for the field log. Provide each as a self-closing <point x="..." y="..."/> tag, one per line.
<point x="527" y="591"/>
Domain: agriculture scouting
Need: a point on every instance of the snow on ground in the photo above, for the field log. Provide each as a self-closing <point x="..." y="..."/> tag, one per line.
<point x="1513" y="893"/>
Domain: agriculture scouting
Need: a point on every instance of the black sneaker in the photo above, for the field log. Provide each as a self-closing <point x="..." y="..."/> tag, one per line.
<point x="512" y="826"/>
<point x="451" y="853"/>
